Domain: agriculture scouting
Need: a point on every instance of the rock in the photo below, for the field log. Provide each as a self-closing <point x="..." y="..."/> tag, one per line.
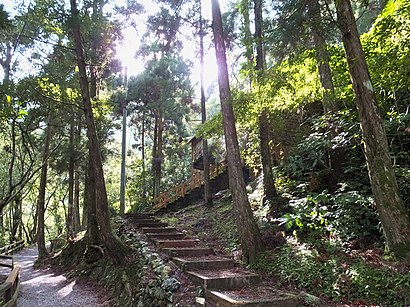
<point x="165" y="271"/>
<point x="156" y="263"/>
<point x="171" y="298"/>
<point x="171" y="284"/>
<point x="160" y="294"/>
<point x="311" y="300"/>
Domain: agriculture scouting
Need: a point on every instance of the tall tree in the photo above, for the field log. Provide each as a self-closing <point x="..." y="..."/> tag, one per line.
<point x="71" y="169"/>
<point x="301" y="24"/>
<point x="205" y="151"/>
<point x="247" y="39"/>
<point x="248" y="230"/>
<point x="392" y="211"/>
<point x="116" y="250"/>
<point x="41" y="243"/>
<point x="270" y="193"/>
<point x="322" y="56"/>
<point x="123" y="147"/>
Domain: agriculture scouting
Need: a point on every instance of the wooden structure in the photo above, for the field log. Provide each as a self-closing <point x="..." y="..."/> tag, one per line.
<point x="9" y="289"/>
<point x="196" y="149"/>
<point x="180" y="190"/>
<point x="11" y="248"/>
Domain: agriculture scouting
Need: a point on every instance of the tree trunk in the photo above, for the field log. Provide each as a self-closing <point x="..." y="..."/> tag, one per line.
<point x="41" y="241"/>
<point x="90" y="207"/>
<point x="155" y="191"/>
<point x="157" y="152"/>
<point x="393" y="214"/>
<point x="16" y="216"/>
<point x="77" y="175"/>
<point x="260" y="54"/>
<point x="123" y="158"/>
<point x="270" y="193"/>
<point x="205" y="151"/>
<point x="246" y="226"/>
<point x="123" y="147"/>
<point x="70" y="211"/>
<point x="33" y="230"/>
<point x="116" y="250"/>
<point x="6" y="63"/>
<point x="322" y="57"/>
<point x="247" y="40"/>
<point x="144" y="180"/>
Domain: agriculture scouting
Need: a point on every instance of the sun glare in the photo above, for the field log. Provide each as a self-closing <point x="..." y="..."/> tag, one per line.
<point x="126" y="51"/>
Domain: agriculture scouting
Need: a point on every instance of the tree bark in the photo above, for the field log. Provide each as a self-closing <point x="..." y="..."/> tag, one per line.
<point x="70" y="209"/>
<point x="260" y="54"/>
<point x="17" y="219"/>
<point x="322" y="57"/>
<point x="76" y="208"/>
<point x="270" y="193"/>
<point x="41" y="242"/>
<point x="144" y="182"/>
<point x="205" y="151"/>
<point x="393" y="214"/>
<point x="247" y="39"/>
<point x="157" y="152"/>
<point x="247" y="228"/>
<point x="77" y="175"/>
<point x="6" y="63"/>
<point x="123" y="157"/>
<point x="116" y="250"/>
<point x="90" y="207"/>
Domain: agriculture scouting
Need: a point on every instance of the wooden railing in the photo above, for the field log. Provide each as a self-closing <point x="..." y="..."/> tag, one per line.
<point x="9" y="289"/>
<point x="180" y="190"/>
<point x="11" y="248"/>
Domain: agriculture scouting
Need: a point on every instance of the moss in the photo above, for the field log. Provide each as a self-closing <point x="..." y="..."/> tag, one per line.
<point x="400" y="251"/>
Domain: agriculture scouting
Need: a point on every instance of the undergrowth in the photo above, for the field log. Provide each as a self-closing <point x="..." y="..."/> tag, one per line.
<point x="336" y="276"/>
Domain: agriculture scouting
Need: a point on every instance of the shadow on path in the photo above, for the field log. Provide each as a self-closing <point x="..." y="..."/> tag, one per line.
<point x="43" y="287"/>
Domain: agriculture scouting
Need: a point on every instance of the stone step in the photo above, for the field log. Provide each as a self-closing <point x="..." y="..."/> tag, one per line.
<point x="199" y="302"/>
<point x="140" y="215"/>
<point x="224" y="279"/>
<point x="142" y="218"/>
<point x="252" y="297"/>
<point x="166" y="236"/>
<point x="204" y="263"/>
<point x="176" y="243"/>
<point x="158" y="229"/>
<point x="152" y="223"/>
<point x="188" y="251"/>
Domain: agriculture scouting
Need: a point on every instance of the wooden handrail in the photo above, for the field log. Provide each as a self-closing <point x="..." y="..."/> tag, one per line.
<point x="7" y="265"/>
<point x="9" y="249"/>
<point x="10" y="288"/>
<point x="180" y="190"/>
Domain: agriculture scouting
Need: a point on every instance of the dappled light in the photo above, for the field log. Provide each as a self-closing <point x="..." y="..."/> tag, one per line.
<point x="208" y="153"/>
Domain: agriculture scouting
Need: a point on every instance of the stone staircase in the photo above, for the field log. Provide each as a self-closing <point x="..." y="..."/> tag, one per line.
<point x="224" y="282"/>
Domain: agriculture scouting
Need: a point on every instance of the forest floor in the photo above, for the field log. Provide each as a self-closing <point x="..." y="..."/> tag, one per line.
<point x="301" y="266"/>
<point x="47" y="288"/>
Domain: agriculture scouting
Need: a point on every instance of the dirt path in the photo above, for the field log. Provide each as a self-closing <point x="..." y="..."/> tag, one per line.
<point x="43" y="287"/>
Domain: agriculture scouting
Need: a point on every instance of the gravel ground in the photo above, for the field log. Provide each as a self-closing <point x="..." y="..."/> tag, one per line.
<point x="43" y="287"/>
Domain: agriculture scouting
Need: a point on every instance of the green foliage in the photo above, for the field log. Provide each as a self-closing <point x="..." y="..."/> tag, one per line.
<point x="336" y="276"/>
<point x="323" y="202"/>
<point x="139" y="186"/>
<point x="310" y="156"/>
<point x="387" y="48"/>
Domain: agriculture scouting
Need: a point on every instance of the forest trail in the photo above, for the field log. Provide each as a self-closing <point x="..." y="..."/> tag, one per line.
<point x="45" y="288"/>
